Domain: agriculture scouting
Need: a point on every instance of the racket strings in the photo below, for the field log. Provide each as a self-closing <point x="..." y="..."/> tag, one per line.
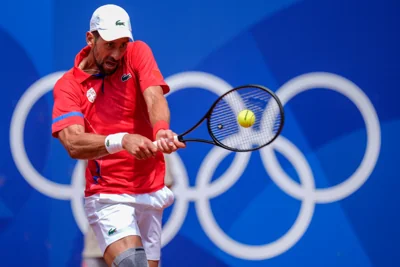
<point x="224" y="124"/>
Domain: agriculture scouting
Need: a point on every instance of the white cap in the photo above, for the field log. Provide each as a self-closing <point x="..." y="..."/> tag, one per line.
<point x="112" y="22"/>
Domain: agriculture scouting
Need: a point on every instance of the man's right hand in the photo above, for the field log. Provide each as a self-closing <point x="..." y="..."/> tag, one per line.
<point x="139" y="146"/>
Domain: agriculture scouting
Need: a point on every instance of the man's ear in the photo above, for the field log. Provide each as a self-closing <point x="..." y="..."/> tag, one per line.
<point x="90" y="39"/>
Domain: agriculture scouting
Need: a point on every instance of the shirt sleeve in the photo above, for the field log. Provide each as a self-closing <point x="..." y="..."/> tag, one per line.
<point x="67" y="108"/>
<point x="145" y="65"/>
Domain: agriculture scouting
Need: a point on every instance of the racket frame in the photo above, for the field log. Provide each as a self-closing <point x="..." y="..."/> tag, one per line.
<point x="208" y="114"/>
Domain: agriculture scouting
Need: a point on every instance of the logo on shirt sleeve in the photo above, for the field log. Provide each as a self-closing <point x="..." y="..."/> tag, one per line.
<point x="91" y="95"/>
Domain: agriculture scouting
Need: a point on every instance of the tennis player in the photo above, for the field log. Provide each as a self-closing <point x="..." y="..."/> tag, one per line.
<point x="108" y="109"/>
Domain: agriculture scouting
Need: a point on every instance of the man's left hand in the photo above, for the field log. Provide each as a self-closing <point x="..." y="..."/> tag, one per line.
<point x="166" y="142"/>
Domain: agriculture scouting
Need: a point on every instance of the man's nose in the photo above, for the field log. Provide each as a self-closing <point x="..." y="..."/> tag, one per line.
<point x="116" y="55"/>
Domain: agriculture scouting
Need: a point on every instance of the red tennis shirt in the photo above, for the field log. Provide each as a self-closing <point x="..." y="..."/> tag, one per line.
<point x="108" y="105"/>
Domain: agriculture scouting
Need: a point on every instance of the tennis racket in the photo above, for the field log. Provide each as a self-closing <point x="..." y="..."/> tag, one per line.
<point x="245" y="118"/>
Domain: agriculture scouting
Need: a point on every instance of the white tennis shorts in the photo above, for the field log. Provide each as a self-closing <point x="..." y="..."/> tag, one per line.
<point x="113" y="217"/>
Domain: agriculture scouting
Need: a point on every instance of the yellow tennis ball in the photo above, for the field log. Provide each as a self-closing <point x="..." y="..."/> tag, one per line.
<point x="246" y="118"/>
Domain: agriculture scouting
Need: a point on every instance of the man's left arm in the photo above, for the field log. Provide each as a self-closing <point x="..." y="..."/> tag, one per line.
<point x="154" y="87"/>
<point x="160" y="117"/>
<point x="157" y="105"/>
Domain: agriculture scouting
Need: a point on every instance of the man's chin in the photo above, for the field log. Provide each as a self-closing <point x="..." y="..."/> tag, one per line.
<point x="108" y="70"/>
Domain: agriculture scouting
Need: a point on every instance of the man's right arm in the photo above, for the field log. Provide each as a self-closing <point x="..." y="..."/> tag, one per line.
<point x="81" y="145"/>
<point x="68" y="126"/>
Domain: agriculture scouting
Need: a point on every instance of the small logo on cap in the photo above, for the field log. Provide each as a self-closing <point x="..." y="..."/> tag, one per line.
<point x="119" y="23"/>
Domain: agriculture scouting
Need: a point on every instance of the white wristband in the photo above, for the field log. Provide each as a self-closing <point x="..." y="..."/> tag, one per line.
<point x="113" y="142"/>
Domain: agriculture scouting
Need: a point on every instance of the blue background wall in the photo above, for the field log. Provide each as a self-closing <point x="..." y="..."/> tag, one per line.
<point x="324" y="202"/>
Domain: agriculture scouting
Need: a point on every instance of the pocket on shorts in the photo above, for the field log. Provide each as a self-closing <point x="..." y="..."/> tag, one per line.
<point x="98" y="208"/>
<point x="90" y="210"/>
<point x="163" y="198"/>
<point x="170" y="197"/>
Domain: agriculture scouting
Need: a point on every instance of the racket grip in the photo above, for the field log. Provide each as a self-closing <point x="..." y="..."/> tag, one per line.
<point x="175" y="138"/>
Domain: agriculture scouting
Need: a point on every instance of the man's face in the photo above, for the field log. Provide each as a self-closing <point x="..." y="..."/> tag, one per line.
<point x="108" y="55"/>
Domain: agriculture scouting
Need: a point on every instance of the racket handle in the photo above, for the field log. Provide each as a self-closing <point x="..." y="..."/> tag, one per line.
<point x="175" y="138"/>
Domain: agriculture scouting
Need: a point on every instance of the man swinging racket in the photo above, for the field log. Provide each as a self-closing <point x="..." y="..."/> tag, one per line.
<point x="108" y="109"/>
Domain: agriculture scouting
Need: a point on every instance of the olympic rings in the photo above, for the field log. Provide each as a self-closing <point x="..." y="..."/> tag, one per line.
<point x="204" y="190"/>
